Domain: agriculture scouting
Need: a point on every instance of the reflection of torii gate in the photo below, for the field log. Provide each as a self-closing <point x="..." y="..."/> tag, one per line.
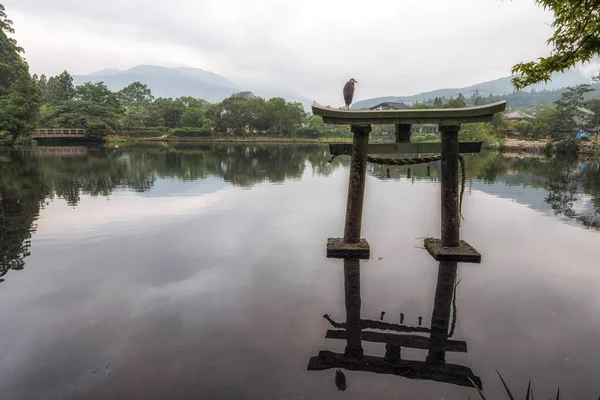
<point x="448" y="250"/>
<point x="437" y="343"/>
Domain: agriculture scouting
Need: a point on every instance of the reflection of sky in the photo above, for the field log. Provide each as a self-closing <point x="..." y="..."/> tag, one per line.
<point x="216" y="292"/>
<point x="526" y="195"/>
<point x="584" y="205"/>
<point x="167" y="187"/>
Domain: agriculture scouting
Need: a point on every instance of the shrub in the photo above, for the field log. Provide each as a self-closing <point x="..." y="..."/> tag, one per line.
<point x="191" y="132"/>
<point x="525" y="129"/>
<point x="567" y="148"/>
<point x="479" y="132"/>
<point x="145" y="132"/>
<point x="307" y="132"/>
<point x="96" y="131"/>
<point x="549" y="149"/>
<point x="26" y="141"/>
<point x="417" y="138"/>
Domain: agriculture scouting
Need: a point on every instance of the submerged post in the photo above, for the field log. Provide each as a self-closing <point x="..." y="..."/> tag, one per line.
<point x="352" y="245"/>
<point x="450" y="221"/>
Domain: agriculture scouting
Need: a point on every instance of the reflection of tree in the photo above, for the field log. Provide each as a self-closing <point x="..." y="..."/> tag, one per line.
<point x="247" y="165"/>
<point x="565" y="182"/>
<point x="101" y="171"/>
<point x="97" y="173"/>
<point x="320" y="164"/>
<point x="22" y="193"/>
<point x="564" y="179"/>
<point x="562" y="189"/>
<point x="27" y="179"/>
<point x="436" y="341"/>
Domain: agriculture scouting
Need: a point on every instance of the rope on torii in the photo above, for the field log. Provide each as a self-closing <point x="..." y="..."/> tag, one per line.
<point x="420" y="160"/>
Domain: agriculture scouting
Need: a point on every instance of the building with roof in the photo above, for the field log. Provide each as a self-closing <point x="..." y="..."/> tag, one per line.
<point x="519" y="116"/>
<point x="390" y="105"/>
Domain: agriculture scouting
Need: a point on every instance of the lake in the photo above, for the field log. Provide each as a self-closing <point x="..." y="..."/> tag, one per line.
<point x="199" y="272"/>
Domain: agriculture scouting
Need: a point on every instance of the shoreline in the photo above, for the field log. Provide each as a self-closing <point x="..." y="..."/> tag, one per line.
<point x="508" y="146"/>
<point x="261" y="139"/>
<point x="524" y="146"/>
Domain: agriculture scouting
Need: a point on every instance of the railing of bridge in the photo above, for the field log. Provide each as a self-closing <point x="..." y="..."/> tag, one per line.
<point x="58" y="132"/>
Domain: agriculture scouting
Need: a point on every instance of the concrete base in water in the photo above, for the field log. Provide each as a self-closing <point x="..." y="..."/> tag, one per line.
<point x="336" y="248"/>
<point x="464" y="252"/>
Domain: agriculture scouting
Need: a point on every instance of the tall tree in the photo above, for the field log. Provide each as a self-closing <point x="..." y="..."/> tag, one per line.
<point x="62" y="88"/>
<point x="568" y="115"/>
<point x="241" y="112"/>
<point x="19" y="95"/>
<point x="98" y="93"/>
<point x="455" y="103"/>
<point x="135" y="96"/>
<point x="594" y="106"/>
<point x="6" y="27"/>
<point x="42" y="83"/>
<point x="576" y="39"/>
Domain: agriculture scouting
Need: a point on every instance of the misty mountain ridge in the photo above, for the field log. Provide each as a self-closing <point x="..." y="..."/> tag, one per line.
<point x="183" y="81"/>
<point x="195" y="82"/>
<point x="498" y="86"/>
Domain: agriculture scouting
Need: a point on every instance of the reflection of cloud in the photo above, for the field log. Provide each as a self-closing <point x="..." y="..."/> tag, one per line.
<point x="125" y="207"/>
<point x="206" y="309"/>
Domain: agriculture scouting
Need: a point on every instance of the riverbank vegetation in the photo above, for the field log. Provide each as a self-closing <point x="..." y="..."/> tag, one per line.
<point x="19" y="96"/>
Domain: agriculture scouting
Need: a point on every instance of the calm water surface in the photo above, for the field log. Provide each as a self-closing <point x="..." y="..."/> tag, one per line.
<point x="199" y="272"/>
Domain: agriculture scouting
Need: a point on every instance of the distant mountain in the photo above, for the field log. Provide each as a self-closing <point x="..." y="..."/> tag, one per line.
<point x="181" y="81"/>
<point x="107" y="72"/>
<point x="497" y="87"/>
<point x="206" y="76"/>
<point x="165" y="82"/>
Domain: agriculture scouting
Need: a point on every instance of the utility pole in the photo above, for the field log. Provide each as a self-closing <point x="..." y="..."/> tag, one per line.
<point x="476" y="97"/>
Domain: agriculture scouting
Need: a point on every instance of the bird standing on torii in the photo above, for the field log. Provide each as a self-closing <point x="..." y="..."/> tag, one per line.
<point x="349" y="92"/>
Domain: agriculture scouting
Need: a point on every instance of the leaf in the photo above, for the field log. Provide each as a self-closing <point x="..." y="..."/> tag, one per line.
<point x="528" y="390"/>
<point x="558" y="394"/>
<point x="478" y="390"/>
<point x="510" y="396"/>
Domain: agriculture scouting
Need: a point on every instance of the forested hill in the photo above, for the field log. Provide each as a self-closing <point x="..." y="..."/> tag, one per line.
<point x="501" y="88"/>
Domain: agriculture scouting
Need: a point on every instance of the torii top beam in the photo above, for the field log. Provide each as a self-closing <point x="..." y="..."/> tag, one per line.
<point x="483" y="113"/>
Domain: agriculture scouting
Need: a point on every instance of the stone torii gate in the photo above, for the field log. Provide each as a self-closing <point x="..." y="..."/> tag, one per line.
<point x="449" y="247"/>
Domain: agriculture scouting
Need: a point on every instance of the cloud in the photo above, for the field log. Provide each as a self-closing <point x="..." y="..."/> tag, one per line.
<point x="314" y="46"/>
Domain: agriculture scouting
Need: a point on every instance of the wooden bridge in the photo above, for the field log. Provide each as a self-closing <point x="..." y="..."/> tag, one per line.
<point x="58" y="133"/>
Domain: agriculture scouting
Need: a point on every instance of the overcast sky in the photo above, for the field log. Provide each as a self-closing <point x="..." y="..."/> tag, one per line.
<point x="391" y="47"/>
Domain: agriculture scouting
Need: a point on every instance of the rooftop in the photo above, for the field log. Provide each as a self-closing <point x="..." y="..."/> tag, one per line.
<point x="396" y="105"/>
